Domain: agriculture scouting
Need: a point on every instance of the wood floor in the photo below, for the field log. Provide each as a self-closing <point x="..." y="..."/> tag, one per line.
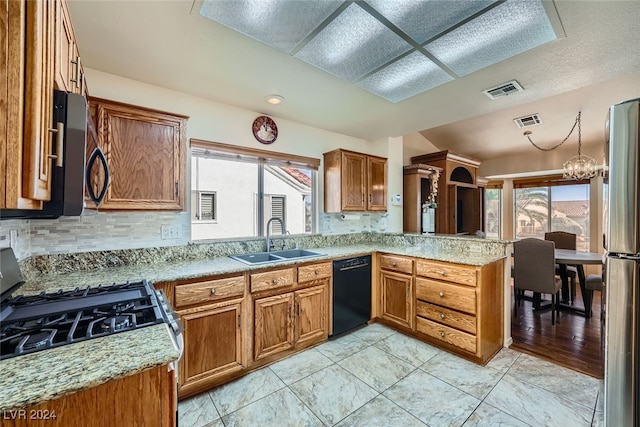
<point x="574" y="341"/>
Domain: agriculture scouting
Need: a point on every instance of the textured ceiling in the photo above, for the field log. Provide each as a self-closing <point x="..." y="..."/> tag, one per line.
<point x="394" y="49"/>
<point x="167" y="43"/>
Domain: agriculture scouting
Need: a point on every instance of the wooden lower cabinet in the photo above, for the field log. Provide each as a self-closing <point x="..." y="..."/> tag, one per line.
<point x="397" y="298"/>
<point x="213" y="342"/>
<point x="144" y="399"/>
<point x="459" y="307"/>
<point x="293" y="319"/>
<point x="273" y="325"/>
<point x="312" y="323"/>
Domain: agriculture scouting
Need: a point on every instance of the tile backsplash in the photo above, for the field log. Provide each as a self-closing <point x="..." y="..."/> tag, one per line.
<point x="114" y="230"/>
<point x="356" y="222"/>
<point x="15" y="233"/>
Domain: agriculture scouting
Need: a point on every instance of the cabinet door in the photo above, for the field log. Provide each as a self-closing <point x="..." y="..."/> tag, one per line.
<point x="376" y="184"/>
<point x="213" y="342"/>
<point x="38" y="101"/>
<point x="397" y="298"/>
<point x="273" y="325"/>
<point x="145" y="152"/>
<point x="353" y="181"/>
<point x="65" y="56"/>
<point x="312" y="320"/>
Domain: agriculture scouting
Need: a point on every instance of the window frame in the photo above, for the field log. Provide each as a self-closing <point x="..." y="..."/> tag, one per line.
<point x="262" y="158"/>
<point x="547" y="182"/>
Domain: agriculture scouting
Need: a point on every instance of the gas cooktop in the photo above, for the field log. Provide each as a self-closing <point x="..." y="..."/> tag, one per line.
<point x="38" y="322"/>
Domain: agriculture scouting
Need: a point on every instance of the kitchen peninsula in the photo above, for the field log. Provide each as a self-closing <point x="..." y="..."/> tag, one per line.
<point x="168" y="267"/>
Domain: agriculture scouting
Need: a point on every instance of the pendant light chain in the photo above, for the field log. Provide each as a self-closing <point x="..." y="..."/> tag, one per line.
<point x="579" y="133"/>
<point x="577" y="122"/>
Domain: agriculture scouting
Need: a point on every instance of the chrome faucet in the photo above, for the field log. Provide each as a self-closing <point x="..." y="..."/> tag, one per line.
<point x="268" y="239"/>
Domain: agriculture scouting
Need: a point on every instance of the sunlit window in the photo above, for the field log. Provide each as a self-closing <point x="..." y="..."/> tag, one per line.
<point x="492" y="203"/>
<point x="235" y="195"/>
<point x="553" y="208"/>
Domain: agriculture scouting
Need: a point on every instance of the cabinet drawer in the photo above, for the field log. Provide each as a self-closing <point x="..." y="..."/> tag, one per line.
<point x="455" y="319"/>
<point x="315" y="271"/>
<point x="464" y="275"/>
<point x="396" y="263"/>
<point x="210" y="290"/>
<point x="447" y="295"/>
<point x="272" y="279"/>
<point x="449" y="335"/>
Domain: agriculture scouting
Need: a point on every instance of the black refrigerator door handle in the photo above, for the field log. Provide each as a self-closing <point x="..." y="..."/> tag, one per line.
<point x="97" y="155"/>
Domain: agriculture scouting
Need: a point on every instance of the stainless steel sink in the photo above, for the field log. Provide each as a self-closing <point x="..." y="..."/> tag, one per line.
<point x="275" y="256"/>
<point x="295" y="253"/>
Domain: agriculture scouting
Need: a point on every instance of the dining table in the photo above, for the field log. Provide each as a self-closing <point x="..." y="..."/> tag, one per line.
<point x="565" y="257"/>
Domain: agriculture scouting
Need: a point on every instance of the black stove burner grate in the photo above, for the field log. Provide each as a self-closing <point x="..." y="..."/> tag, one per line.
<point x="37" y="322"/>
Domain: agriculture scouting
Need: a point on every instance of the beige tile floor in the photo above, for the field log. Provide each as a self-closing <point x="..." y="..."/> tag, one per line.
<point x="376" y="376"/>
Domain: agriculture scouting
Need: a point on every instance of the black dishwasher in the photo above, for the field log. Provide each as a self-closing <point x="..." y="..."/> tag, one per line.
<point x="351" y="293"/>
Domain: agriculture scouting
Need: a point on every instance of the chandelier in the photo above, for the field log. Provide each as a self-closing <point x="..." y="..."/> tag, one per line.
<point x="577" y="167"/>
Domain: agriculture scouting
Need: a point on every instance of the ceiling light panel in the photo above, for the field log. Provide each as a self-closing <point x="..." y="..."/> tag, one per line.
<point x="352" y="45"/>
<point x="407" y="77"/>
<point x="282" y="24"/>
<point x="505" y="31"/>
<point x="422" y="20"/>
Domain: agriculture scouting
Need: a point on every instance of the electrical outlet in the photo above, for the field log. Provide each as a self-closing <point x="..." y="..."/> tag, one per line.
<point x="170" y="232"/>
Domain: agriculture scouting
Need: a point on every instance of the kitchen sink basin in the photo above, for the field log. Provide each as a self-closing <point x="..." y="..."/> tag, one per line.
<point x="295" y="253"/>
<point x="275" y="256"/>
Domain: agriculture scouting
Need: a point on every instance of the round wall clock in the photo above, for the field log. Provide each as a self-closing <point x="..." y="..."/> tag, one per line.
<point x="265" y="130"/>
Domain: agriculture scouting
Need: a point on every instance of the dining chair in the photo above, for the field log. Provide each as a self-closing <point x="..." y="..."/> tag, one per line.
<point x="534" y="270"/>
<point x="564" y="240"/>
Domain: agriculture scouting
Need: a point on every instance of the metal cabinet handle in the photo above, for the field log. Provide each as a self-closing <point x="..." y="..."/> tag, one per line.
<point x="299" y="310"/>
<point x="442" y="315"/>
<point x="213" y="291"/>
<point x="274" y="281"/>
<point x="394" y="264"/>
<point x="444" y="273"/>
<point x="370" y="198"/>
<point x="441" y="294"/>
<point x="362" y="198"/>
<point x="316" y="272"/>
<point x="442" y="334"/>
<point x="290" y="311"/>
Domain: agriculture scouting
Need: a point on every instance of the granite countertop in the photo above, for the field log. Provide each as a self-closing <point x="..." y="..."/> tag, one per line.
<point x="50" y="374"/>
<point x="184" y="270"/>
<point x="35" y="378"/>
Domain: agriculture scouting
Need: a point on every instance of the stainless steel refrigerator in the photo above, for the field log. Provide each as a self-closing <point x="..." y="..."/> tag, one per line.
<point x="622" y="243"/>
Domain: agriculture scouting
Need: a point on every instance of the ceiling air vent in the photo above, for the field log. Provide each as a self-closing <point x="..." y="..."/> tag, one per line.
<point x="503" y="90"/>
<point x="526" y="121"/>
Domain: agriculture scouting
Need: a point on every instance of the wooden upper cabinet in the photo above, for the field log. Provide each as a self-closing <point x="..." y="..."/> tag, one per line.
<point x="69" y="75"/>
<point x="145" y="152"/>
<point x="38" y="101"/>
<point x="36" y="57"/>
<point x="354" y="182"/>
<point x="377" y="183"/>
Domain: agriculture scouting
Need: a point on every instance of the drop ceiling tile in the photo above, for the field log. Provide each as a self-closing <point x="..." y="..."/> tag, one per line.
<point x="409" y="76"/>
<point x="505" y="31"/>
<point x="282" y="24"/>
<point x="422" y="20"/>
<point x="352" y="45"/>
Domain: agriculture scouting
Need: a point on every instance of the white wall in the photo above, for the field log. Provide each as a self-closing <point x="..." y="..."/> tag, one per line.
<point x="208" y="120"/>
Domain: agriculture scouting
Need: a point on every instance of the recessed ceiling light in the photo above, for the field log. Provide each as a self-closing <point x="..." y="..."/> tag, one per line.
<point x="274" y="99"/>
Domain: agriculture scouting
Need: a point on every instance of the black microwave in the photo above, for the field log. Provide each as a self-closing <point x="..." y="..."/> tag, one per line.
<point x="67" y="180"/>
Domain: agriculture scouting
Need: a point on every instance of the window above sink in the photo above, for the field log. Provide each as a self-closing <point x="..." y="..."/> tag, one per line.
<point x="236" y="190"/>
